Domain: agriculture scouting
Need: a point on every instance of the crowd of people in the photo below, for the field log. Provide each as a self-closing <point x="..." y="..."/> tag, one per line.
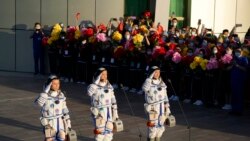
<point x="204" y="69"/>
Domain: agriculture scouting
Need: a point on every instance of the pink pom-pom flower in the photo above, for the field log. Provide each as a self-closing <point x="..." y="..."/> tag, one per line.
<point x="176" y="57"/>
<point x="101" y="37"/>
<point x="212" y="64"/>
<point x="226" y="59"/>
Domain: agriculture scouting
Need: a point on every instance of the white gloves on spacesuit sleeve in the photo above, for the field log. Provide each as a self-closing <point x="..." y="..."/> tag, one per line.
<point x="41" y="99"/>
<point x="92" y="89"/>
<point x="146" y="85"/>
<point x="167" y="109"/>
<point x="115" y="112"/>
<point x="47" y="88"/>
<point x="67" y="120"/>
<point x="94" y="111"/>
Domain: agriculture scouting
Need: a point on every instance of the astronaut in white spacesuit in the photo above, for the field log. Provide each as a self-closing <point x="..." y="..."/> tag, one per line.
<point x="157" y="104"/>
<point x="103" y="106"/>
<point x="54" y="112"/>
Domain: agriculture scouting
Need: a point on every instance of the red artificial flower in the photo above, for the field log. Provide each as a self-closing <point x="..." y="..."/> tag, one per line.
<point x="187" y="60"/>
<point x="134" y="32"/>
<point x="88" y="32"/>
<point x="159" y="51"/>
<point x="102" y="27"/>
<point x="45" y="41"/>
<point x="147" y="14"/>
<point x="161" y="42"/>
<point x="118" y="52"/>
<point x="172" y="46"/>
<point x="155" y="37"/>
<point x="71" y="33"/>
<point x="131" y="47"/>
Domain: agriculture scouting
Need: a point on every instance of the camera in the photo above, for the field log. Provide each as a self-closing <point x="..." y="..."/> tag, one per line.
<point x="238" y="25"/>
<point x="199" y="21"/>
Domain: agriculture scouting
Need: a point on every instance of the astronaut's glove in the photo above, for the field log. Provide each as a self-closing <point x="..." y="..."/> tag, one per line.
<point x="115" y="112"/>
<point x="166" y="105"/>
<point x="94" y="111"/>
<point x="44" y="122"/>
<point x="168" y="112"/>
<point x="47" y="88"/>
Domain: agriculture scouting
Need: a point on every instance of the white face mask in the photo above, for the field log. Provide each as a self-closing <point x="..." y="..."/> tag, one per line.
<point x="193" y="33"/>
<point x="237" y="54"/>
<point x="229" y="52"/>
<point x="175" y="24"/>
<point x="127" y="37"/>
<point x="215" y="51"/>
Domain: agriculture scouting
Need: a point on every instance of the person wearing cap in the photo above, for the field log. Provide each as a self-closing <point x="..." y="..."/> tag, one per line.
<point x="55" y="117"/>
<point x="103" y="106"/>
<point x="157" y="104"/>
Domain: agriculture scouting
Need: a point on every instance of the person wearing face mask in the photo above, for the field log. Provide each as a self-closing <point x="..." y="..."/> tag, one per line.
<point x="38" y="51"/>
<point x="238" y="79"/>
<point x="157" y="105"/>
<point x="104" y="108"/>
<point x="187" y="75"/>
<point x="174" y="23"/>
<point x="211" y="81"/>
<point x="193" y="33"/>
<point x="225" y="81"/>
<point x="55" y="117"/>
<point x="198" y="81"/>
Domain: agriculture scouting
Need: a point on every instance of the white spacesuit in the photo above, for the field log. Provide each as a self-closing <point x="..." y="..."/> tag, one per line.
<point x="156" y="106"/>
<point x="54" y="113"/>
<point x="103" y="107"/>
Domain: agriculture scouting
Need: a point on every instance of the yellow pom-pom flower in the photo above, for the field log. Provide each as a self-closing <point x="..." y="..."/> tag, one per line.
<point x="50" y="41"/>
<point x="137" y="40"/>
<point x="197" y="59"/>
<point x="144" y="29"/>
<point x="117" y="36"/>
<point x="203" y="64"/>
<point x="77" y="34"/>
<point x="193" y="65"/>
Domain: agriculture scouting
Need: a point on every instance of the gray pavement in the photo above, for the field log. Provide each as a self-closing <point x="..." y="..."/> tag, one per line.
<point x="19" y="117"/>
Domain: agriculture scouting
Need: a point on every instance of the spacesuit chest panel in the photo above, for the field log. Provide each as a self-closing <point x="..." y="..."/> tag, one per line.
<point x="103" y="97"/>
<point x="157" y="93"/>
<point x="53" y="107"/>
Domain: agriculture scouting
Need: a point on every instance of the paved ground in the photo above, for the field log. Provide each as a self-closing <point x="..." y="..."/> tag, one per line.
<point x="19" y="118"/>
